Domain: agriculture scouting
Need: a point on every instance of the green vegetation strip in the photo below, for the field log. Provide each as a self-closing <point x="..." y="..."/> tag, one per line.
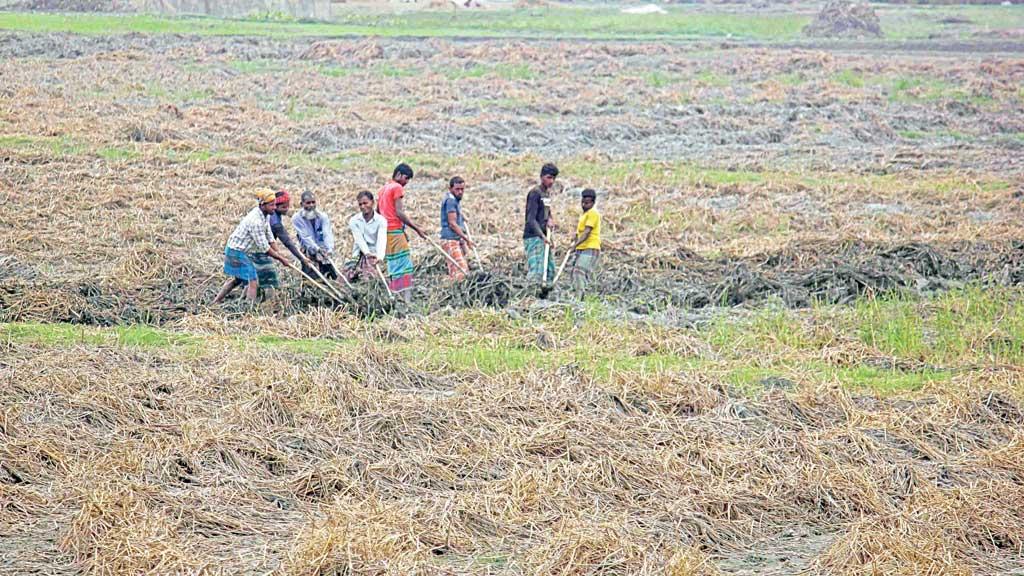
<point x="559" y="22"/>
<point x="680" y="22"/>
<point x="912" y="343"/>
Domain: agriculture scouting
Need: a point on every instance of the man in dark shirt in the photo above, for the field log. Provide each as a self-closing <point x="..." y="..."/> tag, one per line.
<point x="538" y="220"/>
<point x="283" y="201"/>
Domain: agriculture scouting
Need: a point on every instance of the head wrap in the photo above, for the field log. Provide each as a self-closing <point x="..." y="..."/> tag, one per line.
<point x="265" y="196"/>
<point x="283" y="197"/>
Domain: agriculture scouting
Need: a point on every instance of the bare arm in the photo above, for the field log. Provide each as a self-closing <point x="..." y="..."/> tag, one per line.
<point x="453" y="223"/>
<point x="583" y="237"/>
<point x="274" y="251"/>
<point x="281" y="234"/>
<point x="400" y="212"/>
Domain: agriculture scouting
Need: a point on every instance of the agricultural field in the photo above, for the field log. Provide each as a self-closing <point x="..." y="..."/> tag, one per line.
<point x="803" y="354"/>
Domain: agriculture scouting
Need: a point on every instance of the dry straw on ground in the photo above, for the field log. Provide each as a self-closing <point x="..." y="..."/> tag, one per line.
<point x="133" y="461"/>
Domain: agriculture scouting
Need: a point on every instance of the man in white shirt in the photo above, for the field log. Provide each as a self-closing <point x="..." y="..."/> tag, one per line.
<point x="370" y="234"/>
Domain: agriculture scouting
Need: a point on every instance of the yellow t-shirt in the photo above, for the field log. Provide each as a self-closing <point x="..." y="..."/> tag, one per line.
<point x="593" y="219"/>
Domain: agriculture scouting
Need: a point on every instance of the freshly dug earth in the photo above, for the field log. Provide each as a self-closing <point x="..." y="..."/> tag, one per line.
<point x="121" y="460"/>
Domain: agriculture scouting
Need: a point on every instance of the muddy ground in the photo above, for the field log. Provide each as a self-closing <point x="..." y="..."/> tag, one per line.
<point x="727" y="173"/>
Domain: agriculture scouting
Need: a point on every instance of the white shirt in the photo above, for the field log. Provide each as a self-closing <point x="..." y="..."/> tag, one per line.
<point x="371" y="238"/>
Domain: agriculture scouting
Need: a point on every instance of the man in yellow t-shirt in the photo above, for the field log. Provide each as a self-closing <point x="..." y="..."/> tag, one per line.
<point x="588" y="242"/>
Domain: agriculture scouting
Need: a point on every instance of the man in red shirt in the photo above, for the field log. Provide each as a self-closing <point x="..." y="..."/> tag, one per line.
<point x="391" y="207"/>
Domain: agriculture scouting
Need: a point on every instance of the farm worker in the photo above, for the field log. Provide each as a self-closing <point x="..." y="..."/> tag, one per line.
<point x="538" y="220"/>
<point x="316" y="237"/>
<point x="391" y="206"/>
<point x="454" y="240"/>
<point x="248" y="253"/>
<point x="370" y="238"/>
<point x="588" y="242"/>
<point x="282" y="204"/>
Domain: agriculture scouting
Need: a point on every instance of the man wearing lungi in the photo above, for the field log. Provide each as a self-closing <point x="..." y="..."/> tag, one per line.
<point x="588" y="243"/>
<point x="370" y="239"/>
<point x="391" y="207"/>
<point x="454" y="240"/>
<point x="538" y="220"/>
<point x="249" y="250"/>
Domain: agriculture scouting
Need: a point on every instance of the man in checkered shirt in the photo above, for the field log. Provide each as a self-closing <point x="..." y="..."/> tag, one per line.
<point x="249" y="252"/>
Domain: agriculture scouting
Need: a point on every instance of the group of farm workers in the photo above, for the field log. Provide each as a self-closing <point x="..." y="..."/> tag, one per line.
<point x="380" y="236"/>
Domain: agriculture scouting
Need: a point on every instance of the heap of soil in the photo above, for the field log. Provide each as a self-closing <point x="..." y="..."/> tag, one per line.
<point x="844" y="19"/>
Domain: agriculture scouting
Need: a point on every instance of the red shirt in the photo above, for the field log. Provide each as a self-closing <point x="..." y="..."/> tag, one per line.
<point x="386" y="198"/>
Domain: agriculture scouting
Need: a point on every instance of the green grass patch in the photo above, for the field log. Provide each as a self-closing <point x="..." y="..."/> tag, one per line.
<point x="52" y="334"/>
<point x="392" y="71"/>
<point x="148" y="337"/>
<point x="560" y="22"/>
<point x="791" y="79"/>
<point x="849" y="78"/>
<point x="712" y="78"/>
<point x="976" y="324"/>
<point x="658" y="79"/>
<point x="500" y="70"/>
<point x="923" y="22"/>
<point x="54" y="145"/>
<point x="118" y="154"/>
<point x="137" y="336"/>
<point x="332" y="71"/>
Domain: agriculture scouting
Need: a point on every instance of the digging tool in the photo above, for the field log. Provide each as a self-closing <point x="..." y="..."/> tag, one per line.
<point x="447" y="255"/>
<point x="545" y="289"/>
<point x="380" y="276"/>
<point x="562" y="267"/>
<point x="316" y="268"/>
<point x="476" y="254"/>
<point x="547" y="254"/>
<point x="314" y="282"/>
<point x="338" y="272"/>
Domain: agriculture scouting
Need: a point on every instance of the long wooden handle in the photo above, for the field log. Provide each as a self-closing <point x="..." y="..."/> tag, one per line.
<point x="475" y="253"/>
<point x="340" y="274"/>
<point x="380" y="275"/>
<point x="447" y="255"/>
<point x="314" y="282"/>
<point x="547" y="253"/>
<point x="316" y="268"/>
<point x="562" y="267"/>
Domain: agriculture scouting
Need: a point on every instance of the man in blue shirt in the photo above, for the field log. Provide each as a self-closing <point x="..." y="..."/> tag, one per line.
<point x="454" y="240"/>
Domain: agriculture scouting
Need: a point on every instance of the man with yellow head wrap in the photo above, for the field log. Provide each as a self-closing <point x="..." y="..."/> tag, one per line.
<point x="249" y="250"/>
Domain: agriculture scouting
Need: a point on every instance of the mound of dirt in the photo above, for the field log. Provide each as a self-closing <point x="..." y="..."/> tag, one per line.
<point x="844" y="19"/>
